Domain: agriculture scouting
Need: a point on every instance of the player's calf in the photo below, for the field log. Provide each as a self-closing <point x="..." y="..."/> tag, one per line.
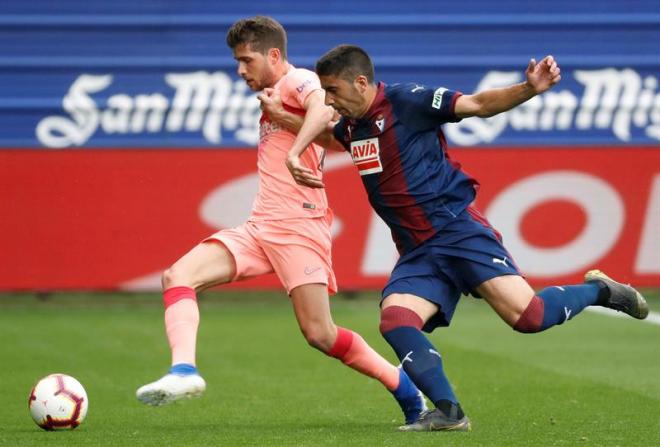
<point x="558" y="304"/>
<point x="555" y="305"/>
<point x="401" y="328"/>
<point x="351" y="349"/>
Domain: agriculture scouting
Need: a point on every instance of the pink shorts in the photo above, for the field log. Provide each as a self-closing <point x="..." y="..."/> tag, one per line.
<point x="297" y="250"/>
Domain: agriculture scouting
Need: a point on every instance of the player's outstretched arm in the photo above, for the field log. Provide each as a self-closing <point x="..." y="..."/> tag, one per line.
<point x="539" y="78"/>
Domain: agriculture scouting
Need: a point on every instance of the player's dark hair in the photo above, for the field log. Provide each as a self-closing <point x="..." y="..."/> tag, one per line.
<point x="261" y="32"/>
<point x="346" y="62"/>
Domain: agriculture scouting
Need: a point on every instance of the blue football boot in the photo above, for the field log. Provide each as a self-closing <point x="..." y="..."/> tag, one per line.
<point x="410" y="398"/>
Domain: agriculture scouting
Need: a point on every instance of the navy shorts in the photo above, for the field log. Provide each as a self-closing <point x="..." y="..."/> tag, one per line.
<point x="460" y="257"/>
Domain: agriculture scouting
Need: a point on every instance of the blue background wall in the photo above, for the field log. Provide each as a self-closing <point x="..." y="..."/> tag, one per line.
<point x="130" y="47"/>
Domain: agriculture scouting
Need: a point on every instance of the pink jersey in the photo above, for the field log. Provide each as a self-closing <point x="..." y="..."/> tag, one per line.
<point x="279" y="197"/>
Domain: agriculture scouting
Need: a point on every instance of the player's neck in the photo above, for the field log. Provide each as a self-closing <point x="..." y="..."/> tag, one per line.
<point x="369" y="98"/>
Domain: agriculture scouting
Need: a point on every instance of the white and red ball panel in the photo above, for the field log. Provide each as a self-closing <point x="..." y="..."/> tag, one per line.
<point x="58" y="402"/>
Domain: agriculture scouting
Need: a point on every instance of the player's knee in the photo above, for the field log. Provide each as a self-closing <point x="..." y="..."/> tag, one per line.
<point x="167" y="278"/>
<point x="513" y="316"/>
<point x="530" y="320"/>
<point x="393" y="317"/>
<point x="318" y="336"/>
<point x="173" y="277"/>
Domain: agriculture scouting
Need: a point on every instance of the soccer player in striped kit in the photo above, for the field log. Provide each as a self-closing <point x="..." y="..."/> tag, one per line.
<point x="447" y="248"/>
<point x="288" y="233"/>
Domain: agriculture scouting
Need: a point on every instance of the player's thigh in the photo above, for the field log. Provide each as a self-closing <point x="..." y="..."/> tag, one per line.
<point x="508" y="295"/>
<point x="424" y="308"/>
<point x="417" y="283"/>
<point x="207" y="264"/>
<point x="311" y="306"/>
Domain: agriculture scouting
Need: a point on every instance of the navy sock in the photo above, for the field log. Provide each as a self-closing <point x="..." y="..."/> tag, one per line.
<point x="563" y="303"/>
<point x="183" y="369"/>
<point x="422" y="363"/>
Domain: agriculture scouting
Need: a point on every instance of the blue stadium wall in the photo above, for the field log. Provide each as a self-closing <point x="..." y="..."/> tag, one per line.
<point x="126" y="135"/>
<point x="157" y="73"/>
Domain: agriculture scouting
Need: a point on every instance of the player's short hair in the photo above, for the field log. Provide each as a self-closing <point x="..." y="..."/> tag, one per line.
<point x="261" y="32"/>
<point x="346" y="62"/>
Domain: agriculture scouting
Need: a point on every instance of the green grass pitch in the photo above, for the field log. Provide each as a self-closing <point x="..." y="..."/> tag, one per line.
<point x="594" y="381"/>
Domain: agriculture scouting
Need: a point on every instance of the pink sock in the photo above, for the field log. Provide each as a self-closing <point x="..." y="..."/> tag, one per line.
<point x="353" y="351"/>
<point x="181" y="322"/>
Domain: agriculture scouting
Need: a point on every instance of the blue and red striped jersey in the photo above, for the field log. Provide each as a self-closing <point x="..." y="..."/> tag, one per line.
<point x="401" y="154"/>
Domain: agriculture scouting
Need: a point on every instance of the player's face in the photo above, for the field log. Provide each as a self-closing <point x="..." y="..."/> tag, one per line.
<point x="256" y="68"/>
<point x="345" y="97"/>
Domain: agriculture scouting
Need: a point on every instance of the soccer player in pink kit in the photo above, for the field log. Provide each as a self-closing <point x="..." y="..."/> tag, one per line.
<point x="288" y="233"/>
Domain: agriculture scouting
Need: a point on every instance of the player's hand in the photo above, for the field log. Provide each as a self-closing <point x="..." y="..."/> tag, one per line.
<point x="271" y="103"/>
<point x="544" y="75"/>
<point x="302" y="175"/>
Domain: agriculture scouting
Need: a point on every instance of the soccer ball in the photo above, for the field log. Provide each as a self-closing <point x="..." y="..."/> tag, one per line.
<point x="58" y="402"/>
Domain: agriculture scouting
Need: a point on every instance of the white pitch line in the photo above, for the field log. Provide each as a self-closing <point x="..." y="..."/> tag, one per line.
<point x="653" y="318"/>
